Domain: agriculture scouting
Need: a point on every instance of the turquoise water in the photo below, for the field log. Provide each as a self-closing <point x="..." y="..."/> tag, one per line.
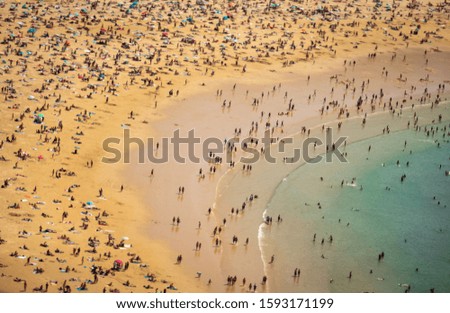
<point x="373" y="212"/>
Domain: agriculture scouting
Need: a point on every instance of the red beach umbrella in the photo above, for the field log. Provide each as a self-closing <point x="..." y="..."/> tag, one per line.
<point x="118" y="264"/>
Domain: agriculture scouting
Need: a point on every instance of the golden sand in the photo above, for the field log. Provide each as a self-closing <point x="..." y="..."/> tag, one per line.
<point x="182" y="50"/>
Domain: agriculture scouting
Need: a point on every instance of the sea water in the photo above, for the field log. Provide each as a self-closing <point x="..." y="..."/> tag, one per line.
<point x="367" y="210"/>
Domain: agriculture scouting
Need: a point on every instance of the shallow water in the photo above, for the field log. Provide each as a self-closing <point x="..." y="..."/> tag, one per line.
<point x="401" y="219"/>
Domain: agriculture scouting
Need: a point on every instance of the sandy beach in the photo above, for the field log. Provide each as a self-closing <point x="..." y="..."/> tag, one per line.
<point x="77" y="74"/>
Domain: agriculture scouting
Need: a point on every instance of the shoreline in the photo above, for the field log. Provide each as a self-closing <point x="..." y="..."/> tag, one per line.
<point x="266" y="190"/>
<point x="75" y="74"/>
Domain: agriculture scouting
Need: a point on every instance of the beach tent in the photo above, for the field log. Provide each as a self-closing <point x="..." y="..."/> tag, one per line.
<point x="90" y="204"/>
<point x="31" y="30"/>
<point x="134" y="4"/>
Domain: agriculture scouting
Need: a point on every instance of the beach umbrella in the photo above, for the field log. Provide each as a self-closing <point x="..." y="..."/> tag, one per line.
<point x="38" y="119"/>
<point x="31" y="30"/>
<point x="118" y="264"/>
<point x="90" y="204"/>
